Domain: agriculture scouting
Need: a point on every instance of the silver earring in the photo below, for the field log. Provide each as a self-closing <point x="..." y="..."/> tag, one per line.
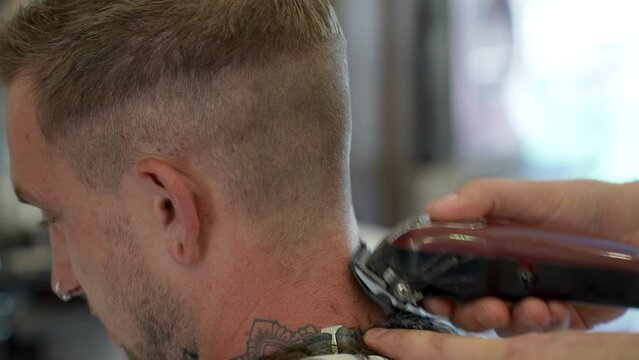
<point x="59" y="294"/>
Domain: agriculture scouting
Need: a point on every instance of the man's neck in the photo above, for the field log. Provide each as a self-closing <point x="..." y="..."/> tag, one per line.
<point x="273" y="305"/>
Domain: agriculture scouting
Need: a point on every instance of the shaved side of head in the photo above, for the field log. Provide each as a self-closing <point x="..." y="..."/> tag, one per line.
<point x="254" y="93"/>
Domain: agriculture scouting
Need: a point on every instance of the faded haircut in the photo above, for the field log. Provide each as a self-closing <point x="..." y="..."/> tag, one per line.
<point x="255" y="93"/>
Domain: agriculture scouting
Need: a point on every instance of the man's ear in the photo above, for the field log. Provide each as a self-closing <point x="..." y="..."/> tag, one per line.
<point x="175" y="208"/>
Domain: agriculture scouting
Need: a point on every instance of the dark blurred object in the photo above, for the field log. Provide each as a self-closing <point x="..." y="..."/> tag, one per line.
<point x="16" y="350"/>
<point x="11" y="347"/>
<point x="7" y="307"/>
<point x="24" y="285"/>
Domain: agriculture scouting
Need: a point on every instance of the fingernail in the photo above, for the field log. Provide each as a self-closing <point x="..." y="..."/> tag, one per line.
<point x="374" y="334"/>
<point x="447" y="198"/>
<point x="443" y="201"/>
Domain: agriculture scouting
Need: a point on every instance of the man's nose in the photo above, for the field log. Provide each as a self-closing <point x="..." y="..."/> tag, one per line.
<point x="64" y="283"/>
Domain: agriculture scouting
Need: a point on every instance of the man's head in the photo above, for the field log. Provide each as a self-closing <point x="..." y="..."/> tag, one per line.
<point x="156" y="134"/>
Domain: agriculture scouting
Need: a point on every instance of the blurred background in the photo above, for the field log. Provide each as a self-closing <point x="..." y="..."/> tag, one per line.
<point x="443" y="91"/>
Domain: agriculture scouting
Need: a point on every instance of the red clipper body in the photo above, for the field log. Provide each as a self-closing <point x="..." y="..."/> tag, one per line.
<point x="467" y="260"/>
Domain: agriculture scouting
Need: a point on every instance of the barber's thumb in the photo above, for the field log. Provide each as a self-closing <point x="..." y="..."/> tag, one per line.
<point x="401" y="344"/>
<point x="427" y="345"/>
<point x="454" y="207"/>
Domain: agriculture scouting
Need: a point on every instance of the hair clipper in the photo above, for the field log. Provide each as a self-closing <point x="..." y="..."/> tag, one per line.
<point x="463" y="261"/>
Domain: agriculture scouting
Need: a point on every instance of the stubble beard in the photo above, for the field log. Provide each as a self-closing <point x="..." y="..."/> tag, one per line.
<point x="160" y="321"/>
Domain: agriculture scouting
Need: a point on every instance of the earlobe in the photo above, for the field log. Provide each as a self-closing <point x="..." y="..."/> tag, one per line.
<point x="176" y="208"/>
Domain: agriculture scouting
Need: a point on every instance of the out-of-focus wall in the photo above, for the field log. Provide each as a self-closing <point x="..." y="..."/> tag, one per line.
<point x="13" y="217"/>
<point x="382" y="40"/>
<point x="363" y="25"/>
<point x="448" y="91"/>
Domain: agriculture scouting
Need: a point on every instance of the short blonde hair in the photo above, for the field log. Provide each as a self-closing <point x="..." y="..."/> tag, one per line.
<point x="256" y="90"/>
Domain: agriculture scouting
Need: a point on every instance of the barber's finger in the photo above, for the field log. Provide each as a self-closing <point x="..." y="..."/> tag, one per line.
<point x="585" y="316"/>
<point x="455" y="207"/>
<point x="528" y="315"/>
<point x="523" y="201"/>
<point x="421" y="345"/>
<point x="536" y="203"/>
<point x="560" y="315"/>
<point x="481" y="315"/>
<point x="438" y="306"/>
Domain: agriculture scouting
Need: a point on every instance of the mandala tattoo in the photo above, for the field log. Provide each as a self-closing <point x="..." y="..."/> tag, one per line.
<point x="269" y="336"/>
<point x="269" y="340"/>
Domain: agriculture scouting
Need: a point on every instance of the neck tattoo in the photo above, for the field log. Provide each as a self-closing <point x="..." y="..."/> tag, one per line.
<point x="270" y="340"/>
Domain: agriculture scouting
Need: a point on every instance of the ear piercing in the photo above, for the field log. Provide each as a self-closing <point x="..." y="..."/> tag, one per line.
<point x="66" y="297"/>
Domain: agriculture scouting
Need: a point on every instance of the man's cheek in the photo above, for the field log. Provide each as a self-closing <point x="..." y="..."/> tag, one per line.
<point x="84" y="239"/>
<point x="86" y="261"/>
<point x="104" y="305"/>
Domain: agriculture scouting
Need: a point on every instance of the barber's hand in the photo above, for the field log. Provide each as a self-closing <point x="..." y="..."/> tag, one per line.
<point x="425" y="345"/>
<point x="581" y="207"/>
